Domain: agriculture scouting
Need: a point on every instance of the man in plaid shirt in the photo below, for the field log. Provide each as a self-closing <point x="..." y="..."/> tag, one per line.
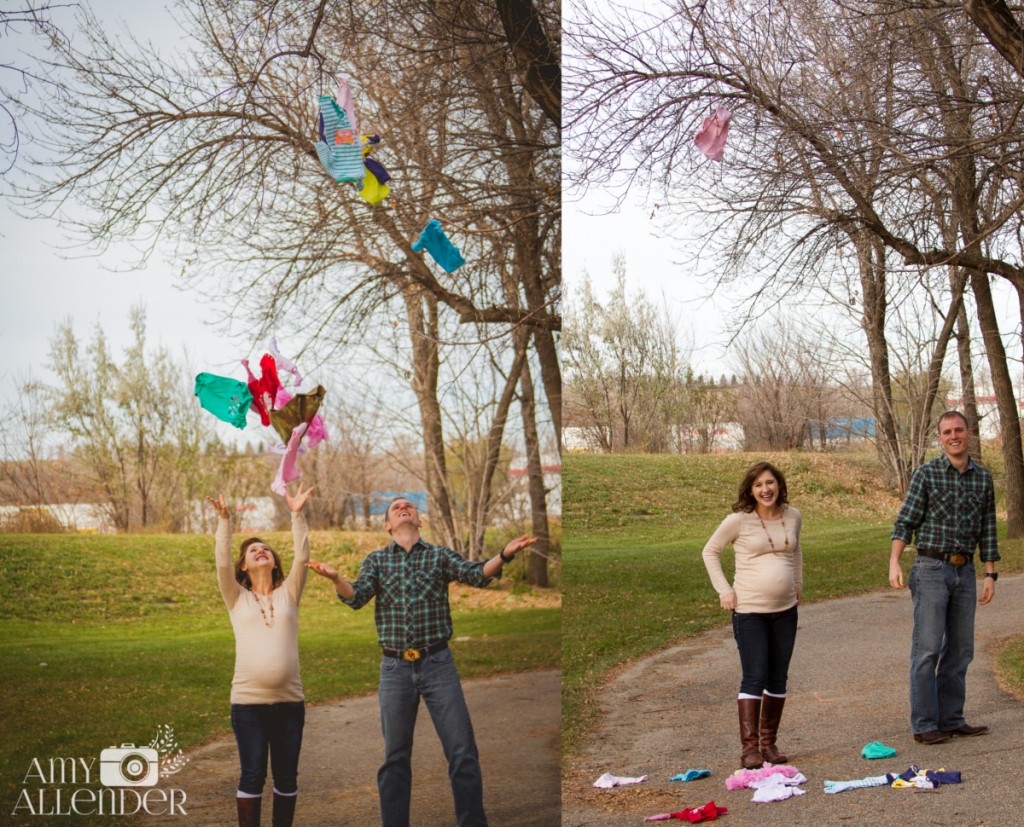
<point x="950" y="507"/>
<point x="409" y="580"/>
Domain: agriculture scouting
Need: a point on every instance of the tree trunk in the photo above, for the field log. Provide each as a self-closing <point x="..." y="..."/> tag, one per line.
<point x="421" y="308"/>
<point x="871" y="258"/>
<point x="551" y="376"/>
<point x="968" y="397"/>
<point x="1009" y="418"/>
<point x="922" y="430"/>
<point x="538" y="64"/>
<point x="479" y="507"/>
<point x="537" y="560"/>
<point x="997" y="23"/>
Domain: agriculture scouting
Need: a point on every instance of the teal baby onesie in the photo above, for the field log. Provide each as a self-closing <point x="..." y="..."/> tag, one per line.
<point x="227" y="399"/>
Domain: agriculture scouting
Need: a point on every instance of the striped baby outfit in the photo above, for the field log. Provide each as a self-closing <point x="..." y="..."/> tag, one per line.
<point x="339" y="149"/>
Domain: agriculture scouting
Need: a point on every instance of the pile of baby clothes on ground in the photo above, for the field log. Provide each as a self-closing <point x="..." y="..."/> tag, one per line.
<point x="770" y="783"/>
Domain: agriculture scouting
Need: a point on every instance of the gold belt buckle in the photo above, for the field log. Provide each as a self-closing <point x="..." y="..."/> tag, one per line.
<point x="411" y="654"/>
<point x="957" y="559"/>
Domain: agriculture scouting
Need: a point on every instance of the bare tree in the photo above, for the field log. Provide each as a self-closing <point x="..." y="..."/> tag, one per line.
<point x="23" y="469"/>
<point x="864" y="122"/>
<point x="624" y="361"/>
<point x="28" y="18"/>
<point x="699" y="410"/>
<point x="784" y="388"/>
<point x="535" y="54"/>
<point x="219" y="155"/>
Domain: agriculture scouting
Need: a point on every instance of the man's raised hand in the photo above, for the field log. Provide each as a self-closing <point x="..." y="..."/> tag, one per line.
<point x="323" y="569"/>
<point x="518" y="544"/>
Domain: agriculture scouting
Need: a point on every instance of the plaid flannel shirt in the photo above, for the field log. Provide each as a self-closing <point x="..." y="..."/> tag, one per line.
<point x="948" y="511"/>
<point x="411" y="588"/>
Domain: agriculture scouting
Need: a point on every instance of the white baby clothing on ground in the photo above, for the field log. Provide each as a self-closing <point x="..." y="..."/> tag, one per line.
<point x="607" y="781"/>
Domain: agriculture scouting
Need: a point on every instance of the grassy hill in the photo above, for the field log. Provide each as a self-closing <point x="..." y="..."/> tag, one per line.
<point x="633" y="530"/>
<point x="105" y="638"/>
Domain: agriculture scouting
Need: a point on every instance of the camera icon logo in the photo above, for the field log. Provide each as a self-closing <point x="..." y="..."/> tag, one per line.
<point x="129" y="766"/>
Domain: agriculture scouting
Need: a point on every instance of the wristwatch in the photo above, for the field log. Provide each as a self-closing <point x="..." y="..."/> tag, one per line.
<point x="505" y="559"/>
<point x="993" y="574"/>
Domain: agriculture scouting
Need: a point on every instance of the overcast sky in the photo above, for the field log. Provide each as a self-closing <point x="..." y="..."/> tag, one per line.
<point x="44" y="284"/>
<point x="45" y="281"/>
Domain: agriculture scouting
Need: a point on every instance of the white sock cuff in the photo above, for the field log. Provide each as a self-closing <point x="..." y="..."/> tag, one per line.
<point x="248" y="795"/>
<point x="743" y="696"/>
<point x="773" y="695"/>
<point x="289" y="795"/>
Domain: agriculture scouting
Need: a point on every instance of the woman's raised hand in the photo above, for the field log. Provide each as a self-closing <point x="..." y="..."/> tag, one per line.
<point x="220" y="506"/>
<point x="295" y="503"/>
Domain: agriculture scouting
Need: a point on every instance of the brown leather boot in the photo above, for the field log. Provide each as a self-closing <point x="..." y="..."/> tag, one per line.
<point x="249" y="811"/>
<point x="771" y="714"/>
<point x="750" y="712"/>
<point x="284" y="810"/>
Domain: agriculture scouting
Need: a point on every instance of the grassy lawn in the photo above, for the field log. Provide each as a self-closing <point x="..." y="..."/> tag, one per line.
<point x="1010" y="668"/>
<point x="634" y="527"/>
<point x="106" y="638"/>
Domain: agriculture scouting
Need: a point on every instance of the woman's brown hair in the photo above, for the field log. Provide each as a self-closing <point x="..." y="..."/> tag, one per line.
<point x="242" y="577"/>
<point x="745" y="501"/>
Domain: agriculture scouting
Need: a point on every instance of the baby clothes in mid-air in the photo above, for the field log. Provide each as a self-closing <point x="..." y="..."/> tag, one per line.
<point x="226" y="398"/>
<point x="435" y="242"/>
<point x="339" y="148"/>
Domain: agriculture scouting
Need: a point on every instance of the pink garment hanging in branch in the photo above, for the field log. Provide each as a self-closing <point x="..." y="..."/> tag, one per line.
<point x="711" y="136"/>
<point x="346" y="102"/>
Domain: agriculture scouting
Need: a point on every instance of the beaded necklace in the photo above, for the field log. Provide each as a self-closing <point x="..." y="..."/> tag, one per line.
<point x="782" y="519"/>
<point x="270" y="601"/>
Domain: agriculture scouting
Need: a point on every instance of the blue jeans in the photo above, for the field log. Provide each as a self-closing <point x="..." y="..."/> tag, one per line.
<point x="945" y="597"/>
<point x="436" y="680"/>
<point x="765" y="641"/>
<point x="274" y="728"/>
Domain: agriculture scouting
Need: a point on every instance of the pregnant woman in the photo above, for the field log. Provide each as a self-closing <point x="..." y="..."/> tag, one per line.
<point x="267" y="705"/>
<point x="764" y="531"/>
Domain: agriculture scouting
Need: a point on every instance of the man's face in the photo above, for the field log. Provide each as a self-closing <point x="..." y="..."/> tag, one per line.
<point x="954" y="437"/>
<point x="401" y="512"/>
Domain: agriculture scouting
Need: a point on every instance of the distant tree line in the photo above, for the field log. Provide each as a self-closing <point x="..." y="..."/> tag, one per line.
<point x="125" y="432"/>
<point x="794" y="384"/>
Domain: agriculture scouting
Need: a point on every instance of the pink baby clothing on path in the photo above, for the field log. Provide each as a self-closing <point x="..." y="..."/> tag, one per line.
<point x="706" y="812"/>
<point x="743" y="778"/>
<point x="287" y="472"/>
<point x="710" y="138"/>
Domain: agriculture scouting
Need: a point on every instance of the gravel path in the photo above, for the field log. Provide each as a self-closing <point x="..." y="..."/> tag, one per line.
<point x="676" y="710"/>
<point x="517" y="723"/>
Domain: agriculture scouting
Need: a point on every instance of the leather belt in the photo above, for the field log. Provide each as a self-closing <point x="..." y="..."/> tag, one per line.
<point x="956" y="559"/>
<point x="416" y="654"/>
